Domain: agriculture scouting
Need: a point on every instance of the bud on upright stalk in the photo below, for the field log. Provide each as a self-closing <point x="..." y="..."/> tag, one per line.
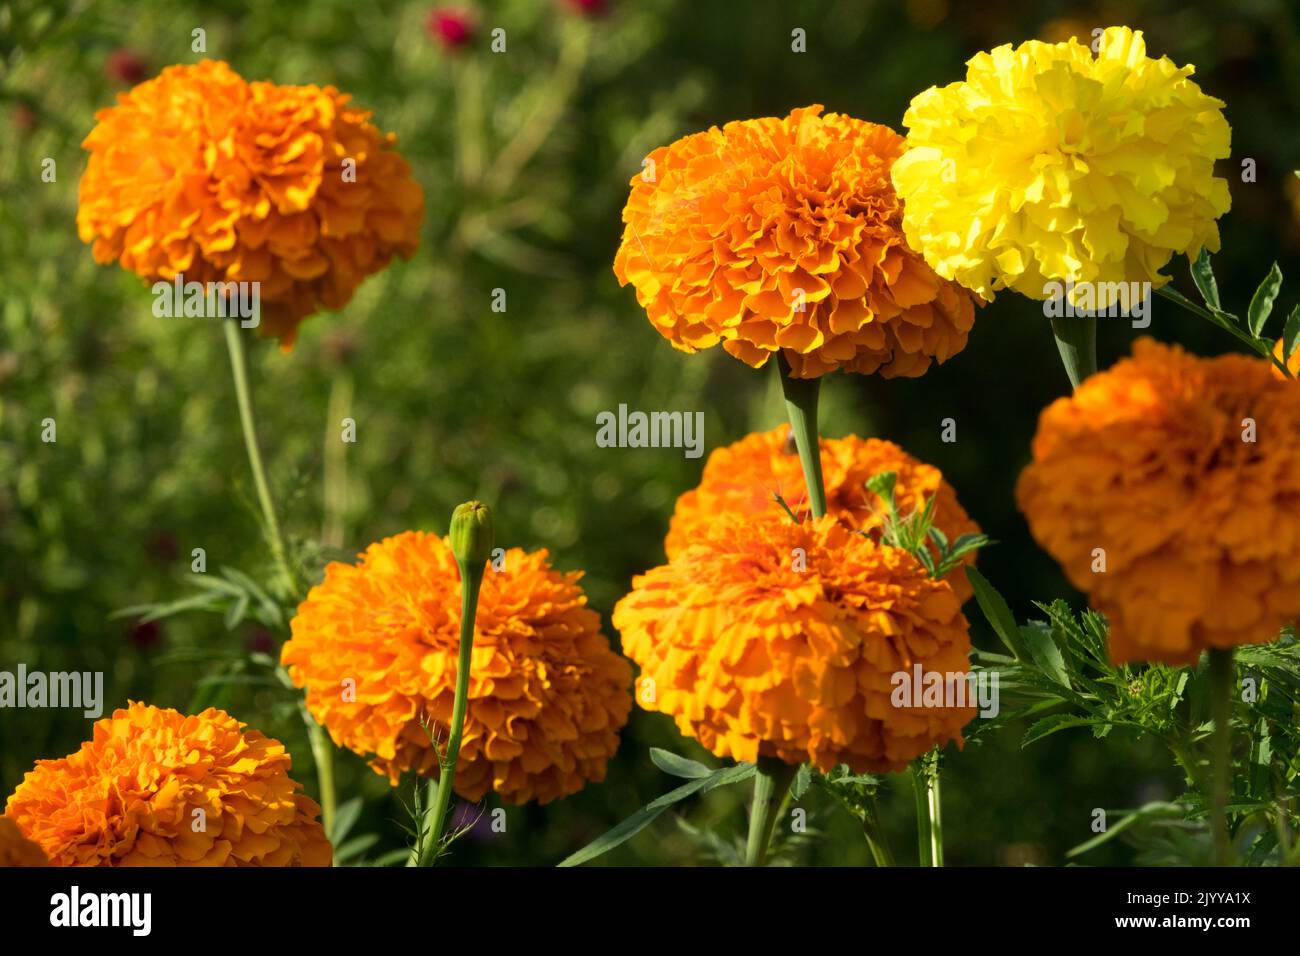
<point x="471" y="540"/>
<point x="471" y="534"/>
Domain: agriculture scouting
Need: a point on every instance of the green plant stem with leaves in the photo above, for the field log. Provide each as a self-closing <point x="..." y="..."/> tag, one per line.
<point x="243" y="397"/>
<point x="321" y="747"/>
<point x="1222" y="688"/>
<point x="1257" y="314"/>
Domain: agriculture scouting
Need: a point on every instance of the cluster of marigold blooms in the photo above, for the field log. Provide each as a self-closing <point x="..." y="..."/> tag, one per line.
<point x="838" y="244"/>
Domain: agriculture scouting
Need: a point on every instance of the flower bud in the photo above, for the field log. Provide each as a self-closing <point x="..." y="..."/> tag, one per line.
<point x="471" y="533"/>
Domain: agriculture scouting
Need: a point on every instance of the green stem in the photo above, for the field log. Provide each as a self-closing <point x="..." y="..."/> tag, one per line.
<point x="929" y="810"/>
<point x="321" y="748"/>
<point x="243" y="397"/>
<point x="322" y="751"/>
<point x="771" y="783"/>
<point x="801" y="406"/>
<point x="936" y="818"/>
<point x="875" y="834"/>
<point x="336" y="461"/>
<point x="471" y="577"/>
<point x="1076" y="340"/>
<point x="1222" y="689"/>
<point x="1259" y="347"/>
<point x="924" y="853"/>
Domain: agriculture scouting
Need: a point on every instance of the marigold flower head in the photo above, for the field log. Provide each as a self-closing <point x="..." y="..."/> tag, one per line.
<point x="1047" y="164"/>
<point x="153" y="787"/>
<point x="741" y="479"/>
<point x="200" y="173"/>
<point x="1182" y="475"/>
<point x="16" y="849"/>
<point x="786" y="234"/>
<point x="771" y="638"/>
<point x="375" y="646"/>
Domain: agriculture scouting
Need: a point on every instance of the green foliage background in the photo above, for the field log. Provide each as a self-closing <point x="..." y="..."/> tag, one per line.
<point x="525" y="158"/>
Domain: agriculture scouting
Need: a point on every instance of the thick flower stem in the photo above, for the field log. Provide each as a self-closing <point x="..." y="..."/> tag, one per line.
<point x="801" y="406"/>
<point x="1222" y="689"/>
<point x="771" y="781"/>
<point x="929" y="812"/>
<point x="1076" y="340"/>
<point x="243" y="397"/>
<point x="471" y="576"/>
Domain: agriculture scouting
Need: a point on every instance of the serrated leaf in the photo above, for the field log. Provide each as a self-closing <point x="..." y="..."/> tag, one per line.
<point x="1045" y="653"/>
<point x="1203" y="276"/>
<point x="883" y="485"/>
<point x="940" y="539"/>
<point x="997" y="613"/>
<point x="1050" y="725"/>
<point x="1261" y="303"/>
<point x="671" y="763"/>
<point x="1291" y="334"/>
<point x="638" y="821"/>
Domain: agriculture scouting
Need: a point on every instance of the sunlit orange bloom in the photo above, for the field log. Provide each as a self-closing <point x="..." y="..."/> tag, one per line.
<point x="742" y="479"/>
<point x="1168" y="488"/>
<point x="786" y="234"/>
<point x="200" y="173"/>
<point x="771" y="638"/>
<point x="16" y="849"/>
<point x="153" y="787"/>
<point x="1292" y="364"/>
<point x="375" y="645"/>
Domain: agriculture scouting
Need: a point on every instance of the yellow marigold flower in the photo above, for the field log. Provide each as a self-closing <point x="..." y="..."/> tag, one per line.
<point x="1048" y="164"/>
<point x="742" y="478"/>
<point x="786" y="234"/>
<point x="1181" y="475"/>
<point x="375" y="645"/>
<point x="16" y="849"/>
<point x="153" y="787"/>
<point x="201" y="173"/>
<point x="771" y="638"/>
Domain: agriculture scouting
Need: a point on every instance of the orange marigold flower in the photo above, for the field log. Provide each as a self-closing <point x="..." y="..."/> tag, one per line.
<point x="742" y="478"/>
<point x="1292" y="364"/>
<point x="771" y="638"/>
<point x="1167" y="489"/>
<point x="153" y="787"/>
<point x="200" y="173"/>
<point x="16" y="849"/>
<point x="787" y="234"/>
<point x="375" y="645"/>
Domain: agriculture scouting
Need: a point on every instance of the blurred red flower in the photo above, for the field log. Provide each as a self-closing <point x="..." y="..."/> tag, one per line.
<point x="451" y="27"/>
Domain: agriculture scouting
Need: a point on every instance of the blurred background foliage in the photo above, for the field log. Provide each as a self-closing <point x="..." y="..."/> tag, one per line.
<point x="525" y="157"/>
